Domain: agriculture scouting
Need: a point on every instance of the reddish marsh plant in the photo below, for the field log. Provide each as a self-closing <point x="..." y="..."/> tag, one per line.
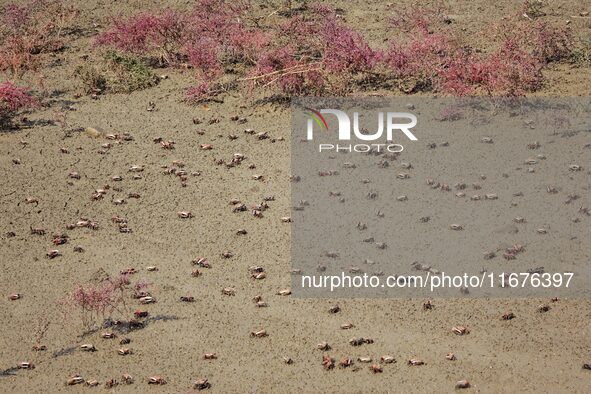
<point x="28" y="31"/>
<point x="509" y="71"/>
<point x="208" y="38"/>
<point x="161" y="35"/>
<point x="12" y="100"/>
<point x="99" y="301"/>
<point x="315" y="52"/>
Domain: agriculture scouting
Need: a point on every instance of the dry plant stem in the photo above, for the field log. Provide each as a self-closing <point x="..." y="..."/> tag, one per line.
<point x="285" y="71"/>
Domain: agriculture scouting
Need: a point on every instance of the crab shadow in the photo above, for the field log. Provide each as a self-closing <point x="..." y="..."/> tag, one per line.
<point x="118" y="326"/>
<point x="8" y="372"/>
<point x="125" y="327"/>
<point x="64" y="352"/>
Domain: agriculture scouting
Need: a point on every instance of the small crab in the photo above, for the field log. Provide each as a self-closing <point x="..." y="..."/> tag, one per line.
<point x="156" y="380"/>
<point x="147" y="300"/>
<point x="575" y="167"/>
<point x="456" y="227"/>
<point x="118" y="219"/>
<point x="428" y="305"/>
<point x="14" y="297"/>
<point x="92" y="383"/>
<point x="238" y="207"/>
<point x="543" y="308"/>
<point x="111" y="383"/>
<point x="124" y="351"/>
<point x="489" y="255"/>
<point x="255" y="269"/>
<point x="87" y="347"/>
<point x="259" y="334"/>
<point x="323" y="346"/>
<point x="357" y="341"/>
<point x="345" y="362"/>
<point x="259" y="275"/>
<point x="460" y="330"/>
<point x="210" y="356"/>
<point x="184" y="214"/>
<point x="167" y="144"/>
<point x="201" y="384"/>
<point x="127" y="379"/>
<point x="37" y="230"/>
<point x="59" y="240"/>
<point x="52" y="254"/>
<point x="26" y="365"/>
<point x="187" y="299"/>
<point x="128" y="271"/>
<point x="74" y="379"/>
<point x="450" y="356"/>
<point x="136" y="168"/>
<point x="228" y="291"/>
<point x="462" y="384"/>
<point x="334" y="309"/>
<point x="201" y="262"/>
<point x="327" y="362"/>
<point x="508" y="316"/>
<point x="387" y="359"/>
<point x="108" y="335"/>
<point x="375" y="368"/>
<point x="256" y="213"/>
<point x="415" y="362"/>
<point x="32" y="200"/>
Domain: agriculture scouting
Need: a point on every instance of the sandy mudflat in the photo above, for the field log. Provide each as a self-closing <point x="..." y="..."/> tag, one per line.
<point x="535" y="352"/>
